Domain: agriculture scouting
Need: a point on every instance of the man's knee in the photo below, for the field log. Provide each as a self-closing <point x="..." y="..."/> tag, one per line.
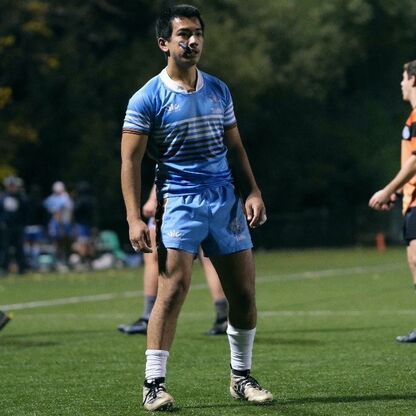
<point x="173" y="288"/>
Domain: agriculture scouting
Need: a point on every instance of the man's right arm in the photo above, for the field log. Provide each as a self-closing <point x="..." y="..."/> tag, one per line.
<point x="133" y="147"/>
<point x="380" y="200"/>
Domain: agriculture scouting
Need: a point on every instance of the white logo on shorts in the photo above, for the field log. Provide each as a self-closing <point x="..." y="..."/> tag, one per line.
<point x="174" y="234"/>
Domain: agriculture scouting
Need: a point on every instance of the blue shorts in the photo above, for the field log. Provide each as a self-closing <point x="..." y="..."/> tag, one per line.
<point x="212" y="219"/>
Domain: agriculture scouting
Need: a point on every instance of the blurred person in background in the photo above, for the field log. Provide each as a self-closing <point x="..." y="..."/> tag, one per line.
<point x="150" y="281"/>
<point x="60" y="207"/>
<point x="13" y="218"/>
<point x="35" y="234"/>
<point x="85" y="219"/>
<point x="404" y="183"/>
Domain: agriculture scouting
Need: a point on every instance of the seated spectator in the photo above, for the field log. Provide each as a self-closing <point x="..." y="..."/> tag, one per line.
<point x="35" y="236"/>
<point x="84" y="223"/>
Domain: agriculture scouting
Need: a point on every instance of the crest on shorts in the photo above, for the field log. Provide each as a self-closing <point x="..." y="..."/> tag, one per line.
<point x="236" y="227"/>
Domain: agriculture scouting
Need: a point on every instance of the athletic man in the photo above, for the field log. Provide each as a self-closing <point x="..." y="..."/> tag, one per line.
<point x="405" y="181"/>
<point x="186" y="120"/>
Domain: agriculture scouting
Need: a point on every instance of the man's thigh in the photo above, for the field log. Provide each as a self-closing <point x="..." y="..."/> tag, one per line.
<point x="236" y="272"/>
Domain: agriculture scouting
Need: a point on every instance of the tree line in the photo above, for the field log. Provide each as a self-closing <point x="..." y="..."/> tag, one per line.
<point x="315" y="88"/>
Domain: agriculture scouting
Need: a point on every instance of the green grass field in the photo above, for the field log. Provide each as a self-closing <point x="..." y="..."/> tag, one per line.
<point x="325" y="341"/>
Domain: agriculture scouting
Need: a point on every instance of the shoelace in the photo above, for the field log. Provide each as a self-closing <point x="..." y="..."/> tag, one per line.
<point x="154" y="389"/>
<point x="247" y="382"/>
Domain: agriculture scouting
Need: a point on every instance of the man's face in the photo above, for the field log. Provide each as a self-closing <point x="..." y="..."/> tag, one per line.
<point x="407" y="84"/>
<point x="187" y="32"/>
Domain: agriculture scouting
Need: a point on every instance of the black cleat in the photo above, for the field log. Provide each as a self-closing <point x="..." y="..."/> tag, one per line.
<point x="138" y="327"/>
<point x="219" y="327"/>
<point x="4" y="319"/>
<point x="411" y="337"/>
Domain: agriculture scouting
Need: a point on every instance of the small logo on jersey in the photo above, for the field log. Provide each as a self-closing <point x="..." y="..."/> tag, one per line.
<point x="406" y="133"/>
<point x="174" y="234"/>
<point x="171" y="108"/>
<point x="215" y="104"/>
<point x="213" y="98"/>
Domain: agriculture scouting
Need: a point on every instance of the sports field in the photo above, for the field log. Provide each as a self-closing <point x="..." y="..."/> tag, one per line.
<point x="325" y="343"/>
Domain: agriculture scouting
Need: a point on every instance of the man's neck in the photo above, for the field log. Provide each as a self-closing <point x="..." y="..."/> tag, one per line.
<point x="187" y="78"/>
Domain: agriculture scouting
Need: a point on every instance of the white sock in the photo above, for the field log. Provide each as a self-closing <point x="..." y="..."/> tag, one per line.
<point x="241" y="347"/>
<point x="156" y="364"/>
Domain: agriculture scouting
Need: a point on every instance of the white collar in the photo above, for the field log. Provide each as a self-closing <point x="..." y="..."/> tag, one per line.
<point x="176" y="87"/>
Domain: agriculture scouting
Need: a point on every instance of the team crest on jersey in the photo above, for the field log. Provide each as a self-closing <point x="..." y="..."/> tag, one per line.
<point x="406" y="133"/>
<point x="173" y="107"/>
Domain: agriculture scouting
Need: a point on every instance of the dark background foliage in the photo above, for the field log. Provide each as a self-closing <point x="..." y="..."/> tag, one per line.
<point x="315" y="87"/>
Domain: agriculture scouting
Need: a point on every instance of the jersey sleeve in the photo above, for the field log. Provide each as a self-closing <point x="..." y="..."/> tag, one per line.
<point x="229" y="116"/>
<point x="138" y="119"/>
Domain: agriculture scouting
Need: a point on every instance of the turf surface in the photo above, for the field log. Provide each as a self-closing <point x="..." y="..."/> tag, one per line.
<point x="325" y="341"/>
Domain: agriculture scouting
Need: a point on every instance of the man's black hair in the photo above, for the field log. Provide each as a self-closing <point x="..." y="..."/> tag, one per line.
<point x="164" y="22"/>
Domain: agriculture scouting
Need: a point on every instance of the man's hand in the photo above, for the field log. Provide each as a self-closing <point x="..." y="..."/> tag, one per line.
<point x="255" y="210"/>
<point x="382" y="200"/>
<point x="140" y="237"/>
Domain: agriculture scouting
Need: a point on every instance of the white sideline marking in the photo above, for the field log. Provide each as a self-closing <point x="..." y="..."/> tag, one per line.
<point x="316" y="274"/>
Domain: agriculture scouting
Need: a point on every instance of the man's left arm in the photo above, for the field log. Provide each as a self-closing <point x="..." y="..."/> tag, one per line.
<point x="245" y="181"/>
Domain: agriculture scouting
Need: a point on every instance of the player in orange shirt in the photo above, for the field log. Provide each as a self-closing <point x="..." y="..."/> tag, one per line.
<point x="405" y="181"/>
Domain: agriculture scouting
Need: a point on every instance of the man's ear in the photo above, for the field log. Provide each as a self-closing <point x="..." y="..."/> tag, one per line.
<point x="162" y="43"/>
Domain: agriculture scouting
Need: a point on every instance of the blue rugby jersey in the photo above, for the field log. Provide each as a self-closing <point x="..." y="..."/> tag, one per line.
<point x="185" y="131"/>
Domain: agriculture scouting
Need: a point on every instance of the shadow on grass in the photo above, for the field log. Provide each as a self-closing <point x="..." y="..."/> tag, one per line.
<point x="277" y="341"/>
<point x="37" y="339"/>
<point x="314" y="330"/>
<point x="278" y="405"/>
<point x="231" y="405"/>
<point x="25" y="343"/>
<point x="351" y="399"/>
<point x="57" y="333"/>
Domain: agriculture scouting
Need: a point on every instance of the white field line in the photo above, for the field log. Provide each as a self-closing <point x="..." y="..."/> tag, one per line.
<point x="316" y="274"/>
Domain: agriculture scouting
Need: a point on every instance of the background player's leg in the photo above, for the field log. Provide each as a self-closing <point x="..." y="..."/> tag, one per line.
<point x="150" y="282"/>
<point x="411" y="260"/>
<point x="217" y="295"/>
